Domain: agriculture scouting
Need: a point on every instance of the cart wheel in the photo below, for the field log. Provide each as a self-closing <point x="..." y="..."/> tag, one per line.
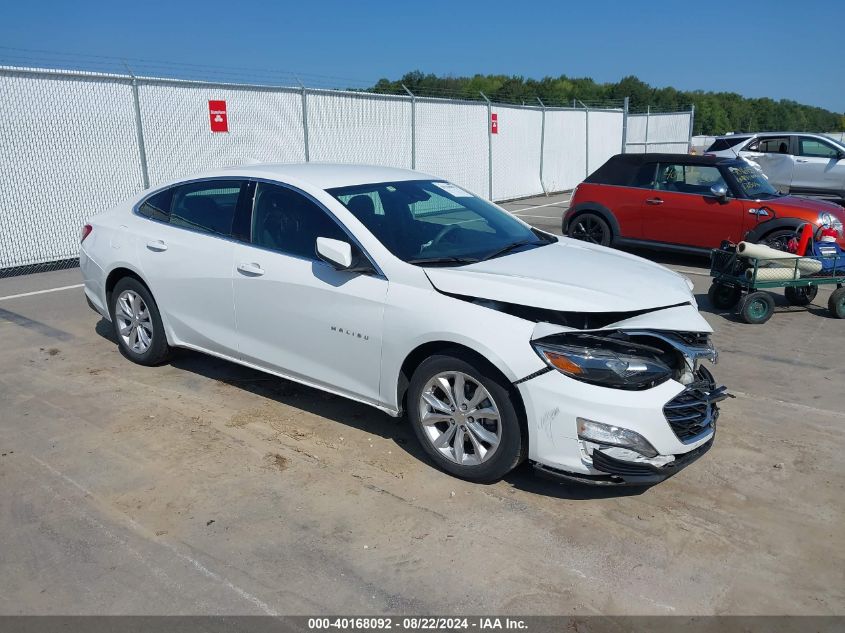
<point x="801" y="295"/>
<point x="722" y="296"/>
<point x="757" y="307"/>
<point x="836" y="303"/>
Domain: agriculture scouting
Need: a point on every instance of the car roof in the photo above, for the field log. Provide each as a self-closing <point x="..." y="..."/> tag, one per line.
<point x="319" y="175"/>
<point x="775" y="133"/>
<point x="621" y="169"/>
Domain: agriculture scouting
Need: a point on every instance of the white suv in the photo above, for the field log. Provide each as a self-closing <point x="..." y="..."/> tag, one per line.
<point x="794" y="162"/>
<point x="393" y="288"/>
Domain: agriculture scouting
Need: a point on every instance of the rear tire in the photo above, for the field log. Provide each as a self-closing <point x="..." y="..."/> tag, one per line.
<point x="836" y="303"/>
<point x="589" y="227"/>
<point x="722" y="296"/>
<point x="757" y="307"/>
<point x="137" y="323"/>
<point x="800" y="295"/>
<point x="465" y="419"/>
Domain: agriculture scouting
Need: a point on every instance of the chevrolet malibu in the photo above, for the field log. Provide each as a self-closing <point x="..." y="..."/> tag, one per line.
<point x="499" y="342"/>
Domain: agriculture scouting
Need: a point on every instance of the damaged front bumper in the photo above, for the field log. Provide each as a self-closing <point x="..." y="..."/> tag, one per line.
<point x="617" y="472"/>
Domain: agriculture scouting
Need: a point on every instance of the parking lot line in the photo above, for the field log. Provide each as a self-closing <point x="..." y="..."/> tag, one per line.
<point x="41" y="292"/>
<point x="540" y="206"/>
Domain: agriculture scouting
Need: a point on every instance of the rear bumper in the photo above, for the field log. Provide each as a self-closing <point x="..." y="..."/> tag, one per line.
<point x="621" y="473"/>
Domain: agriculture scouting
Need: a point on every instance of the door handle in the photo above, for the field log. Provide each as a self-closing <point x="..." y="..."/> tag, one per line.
<point x="654" y="201"/>
<point x="251" y="269"/>
<point x="157" y="245"/>
<point x="801" y="160"/>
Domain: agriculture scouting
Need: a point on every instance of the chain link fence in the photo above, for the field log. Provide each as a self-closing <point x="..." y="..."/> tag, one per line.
<point x="77" y="143"/>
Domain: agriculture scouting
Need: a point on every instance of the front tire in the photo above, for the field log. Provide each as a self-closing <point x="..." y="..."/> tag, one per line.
<point x="589" y="227"/>
<point x="137" y="323"/>
<point x="722" y="296"/>
<point x="464" y="418"/>
<point x="779" y="240"/>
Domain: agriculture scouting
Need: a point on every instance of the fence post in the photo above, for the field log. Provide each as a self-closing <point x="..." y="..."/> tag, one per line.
<point x="542" y="144"/>
<point x="691" y="120"/>
<point x="647" y="116"/>
<point x="489" y="144"/>
<point x="305" y="121"/>
<point x="413" y="127"/>
<point x="586" y="138"/>
<point x="139" y="130"/>
<point x="625" y="126"/>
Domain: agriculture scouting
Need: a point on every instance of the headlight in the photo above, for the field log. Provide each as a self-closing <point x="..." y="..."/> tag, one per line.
<point x="604" y="367"/>
<point x="828" y="220"/>
<point x="614" y="436"/>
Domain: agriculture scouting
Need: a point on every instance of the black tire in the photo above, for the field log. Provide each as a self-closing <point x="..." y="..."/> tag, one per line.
<point x="800" y="295"/>
<point x="589" y="227"/>
<point x="836" y="303"/>
<point x="723" y="296"/>
<point x="757" y="307"/>
<point x="512" y="445"/>
<point x="779" y="239"/>
<point x="157" y="350"/>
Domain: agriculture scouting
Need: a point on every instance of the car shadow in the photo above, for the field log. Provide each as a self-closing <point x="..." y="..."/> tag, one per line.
<point x="360" y="416"/>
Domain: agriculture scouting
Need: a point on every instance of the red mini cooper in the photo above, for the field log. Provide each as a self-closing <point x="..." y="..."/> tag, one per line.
<point x="688" y="203"/>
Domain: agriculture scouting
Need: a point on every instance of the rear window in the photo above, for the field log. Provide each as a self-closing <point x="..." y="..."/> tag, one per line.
<point x="727" y="143"/>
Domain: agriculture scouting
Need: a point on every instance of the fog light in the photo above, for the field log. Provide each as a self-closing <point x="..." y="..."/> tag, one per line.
<point x="611" y="435"/>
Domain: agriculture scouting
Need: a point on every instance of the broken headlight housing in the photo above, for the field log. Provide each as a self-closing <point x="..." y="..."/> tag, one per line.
<point x="612" y="364"/>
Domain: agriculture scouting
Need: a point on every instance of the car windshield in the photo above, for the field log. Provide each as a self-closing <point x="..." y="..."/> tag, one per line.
<point x="752" y="183"/>
<point x="430" y="222"/>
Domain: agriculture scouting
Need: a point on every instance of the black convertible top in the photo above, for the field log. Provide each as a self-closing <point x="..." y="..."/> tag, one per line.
<point x="622" y="168"/>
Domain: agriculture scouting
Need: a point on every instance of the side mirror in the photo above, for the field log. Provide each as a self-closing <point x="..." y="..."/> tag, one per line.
<point x="720" y="192"/>
<point x="335" y="252"/>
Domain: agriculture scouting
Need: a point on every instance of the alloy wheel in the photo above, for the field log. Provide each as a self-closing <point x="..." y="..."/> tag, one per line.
<point x="134" y="322"/>
<point x="588" y="230"/>
<point x="460" y="418"/>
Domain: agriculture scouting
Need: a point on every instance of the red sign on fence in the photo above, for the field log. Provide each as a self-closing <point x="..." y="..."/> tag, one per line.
<point x="217" y="116"/>
<point x="494" y="123"/>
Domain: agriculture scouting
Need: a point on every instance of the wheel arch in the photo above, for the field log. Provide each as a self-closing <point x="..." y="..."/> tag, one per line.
<point x="121" y="271"/>
<point x="598" y="209"/>
<point x="416" y="356"/>
<point x="778" y="224"/>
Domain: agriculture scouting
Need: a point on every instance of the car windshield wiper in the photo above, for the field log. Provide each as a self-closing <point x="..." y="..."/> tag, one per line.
<point x="450" y="259"/>
<point x="510" y="247"/>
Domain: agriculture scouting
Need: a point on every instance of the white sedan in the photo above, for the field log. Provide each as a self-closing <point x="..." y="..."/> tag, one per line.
<point x="499" y="342"/>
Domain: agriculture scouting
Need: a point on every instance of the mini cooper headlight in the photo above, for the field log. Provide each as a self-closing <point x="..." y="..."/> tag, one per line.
<point x="612" y="435"/>
<point x="605" y="368"/>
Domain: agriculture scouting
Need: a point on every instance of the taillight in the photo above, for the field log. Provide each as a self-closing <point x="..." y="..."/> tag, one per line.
<point x="86" y="231"/>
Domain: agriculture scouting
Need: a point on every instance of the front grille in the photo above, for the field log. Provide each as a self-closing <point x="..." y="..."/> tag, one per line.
<point x="694" y="411"/>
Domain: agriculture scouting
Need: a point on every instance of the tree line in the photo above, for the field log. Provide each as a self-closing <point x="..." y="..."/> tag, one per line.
<point x="715" y="112"/>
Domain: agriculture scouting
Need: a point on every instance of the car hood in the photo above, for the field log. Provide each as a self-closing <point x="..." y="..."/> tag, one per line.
<point x="568" y="276"/>
<point x="807" y="204"/>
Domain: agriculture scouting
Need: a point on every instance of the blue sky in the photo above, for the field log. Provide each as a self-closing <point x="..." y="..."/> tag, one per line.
<point x="778" y="49"/>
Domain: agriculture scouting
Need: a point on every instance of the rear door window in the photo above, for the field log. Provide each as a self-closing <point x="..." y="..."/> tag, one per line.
<point x="770" y="145"/>
<point x="157" y="206"/>
<point x="208" y="206"/>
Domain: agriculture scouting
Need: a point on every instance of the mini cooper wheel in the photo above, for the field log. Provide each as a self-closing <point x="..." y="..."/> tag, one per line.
<point x="722" y="296"/>
<point x="800" y="295"/>
<point x="757" y="307"/>
<point x="137" y="323"/>
<point x="465" y="419"/>
<point x="779" y="240"/>
<point x="836" y="303"/>
<point x="589" y="227"/>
